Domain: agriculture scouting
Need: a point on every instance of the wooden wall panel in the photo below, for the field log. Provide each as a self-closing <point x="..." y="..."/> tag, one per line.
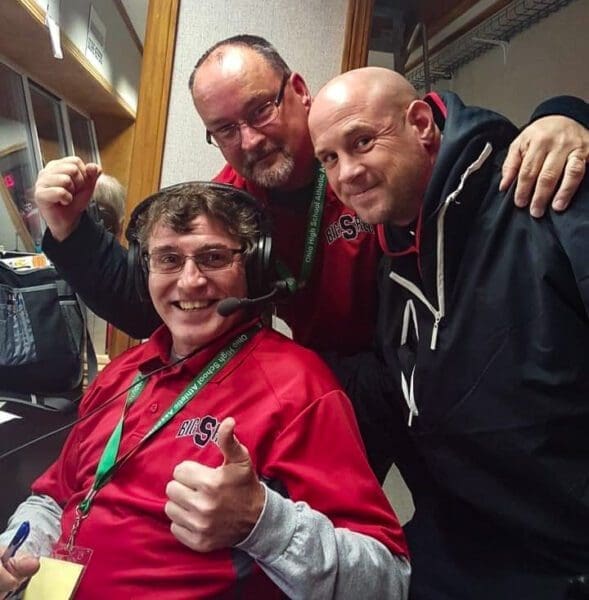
<point x="357" y="34"/>
<point x="152" y="114"/>
<point x="115" y="143"/>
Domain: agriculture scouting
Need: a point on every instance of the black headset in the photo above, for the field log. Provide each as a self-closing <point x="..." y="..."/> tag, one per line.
<point x="262" y="283"/>
<point x="259" y="267"/>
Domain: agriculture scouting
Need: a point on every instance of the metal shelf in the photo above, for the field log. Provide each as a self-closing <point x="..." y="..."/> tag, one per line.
<point x="496" y="30"/>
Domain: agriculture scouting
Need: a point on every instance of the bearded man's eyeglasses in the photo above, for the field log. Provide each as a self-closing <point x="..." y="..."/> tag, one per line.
<point x="260" y="116"/>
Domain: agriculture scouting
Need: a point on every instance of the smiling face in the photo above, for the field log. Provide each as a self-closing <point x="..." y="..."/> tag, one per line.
<point x="228" y="87"/>
<point x="187" y="301"/>
<point x="372" y="146"/>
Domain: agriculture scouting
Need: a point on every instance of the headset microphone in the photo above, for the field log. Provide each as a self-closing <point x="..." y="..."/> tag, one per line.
<point x="228" y="306"/>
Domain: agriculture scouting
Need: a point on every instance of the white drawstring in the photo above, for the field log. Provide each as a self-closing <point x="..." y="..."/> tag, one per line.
<point x="407" y="389"/>
<point x="438" y="314"/>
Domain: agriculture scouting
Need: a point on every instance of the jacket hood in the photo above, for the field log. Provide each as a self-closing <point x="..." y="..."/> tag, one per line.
<point x="465" y="131"/>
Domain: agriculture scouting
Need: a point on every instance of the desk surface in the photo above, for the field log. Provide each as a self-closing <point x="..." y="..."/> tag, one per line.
<point x="20" y="469"/>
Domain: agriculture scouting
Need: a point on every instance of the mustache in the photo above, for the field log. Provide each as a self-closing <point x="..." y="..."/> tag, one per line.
<point x="253" y="156"/>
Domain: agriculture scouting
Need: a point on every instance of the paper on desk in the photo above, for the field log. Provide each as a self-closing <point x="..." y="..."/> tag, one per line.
<point x="6" y="416"/>
<point x="55" y="580"/>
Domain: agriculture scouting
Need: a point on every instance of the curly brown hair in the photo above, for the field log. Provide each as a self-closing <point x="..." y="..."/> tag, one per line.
<point x="177" y="206"/>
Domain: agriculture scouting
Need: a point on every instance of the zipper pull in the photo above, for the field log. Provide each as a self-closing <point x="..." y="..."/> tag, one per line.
<point x="412" y="413"/>
<point x="434" y="339"/>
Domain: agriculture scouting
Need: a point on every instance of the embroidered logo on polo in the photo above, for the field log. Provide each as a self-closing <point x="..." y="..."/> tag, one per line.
<point x="347" y="227"/>
<point x="202" y="430"/>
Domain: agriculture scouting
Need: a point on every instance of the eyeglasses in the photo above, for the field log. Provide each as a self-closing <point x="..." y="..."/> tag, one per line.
<point x="260" y="116"/>
<point x="208" y="260"/>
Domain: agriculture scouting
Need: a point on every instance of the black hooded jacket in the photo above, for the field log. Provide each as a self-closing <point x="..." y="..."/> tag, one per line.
<point x="484" y="313"/>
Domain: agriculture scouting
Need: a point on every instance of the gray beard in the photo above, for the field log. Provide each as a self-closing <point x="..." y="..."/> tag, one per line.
<point x="274" y="176"/>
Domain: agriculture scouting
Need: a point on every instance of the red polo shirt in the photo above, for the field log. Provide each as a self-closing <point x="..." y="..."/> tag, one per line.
<point x="337" y="308"/>
<point x="292" y="416"/>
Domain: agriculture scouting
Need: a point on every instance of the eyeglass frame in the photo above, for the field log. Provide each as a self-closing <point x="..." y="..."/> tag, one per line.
<point x="194" y="257"/>
<point x="210" y="135"/>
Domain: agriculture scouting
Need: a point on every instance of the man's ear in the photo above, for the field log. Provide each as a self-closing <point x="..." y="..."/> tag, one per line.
<point x="419" y="116"/>
<point x="300" y="89"/>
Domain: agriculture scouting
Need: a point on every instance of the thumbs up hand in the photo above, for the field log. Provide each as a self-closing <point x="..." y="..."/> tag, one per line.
<point x="213" y="508"/>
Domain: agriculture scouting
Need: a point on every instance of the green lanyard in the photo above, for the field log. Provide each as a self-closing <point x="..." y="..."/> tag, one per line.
<point x="108" y="463"/>
<point x="311" y="238"/>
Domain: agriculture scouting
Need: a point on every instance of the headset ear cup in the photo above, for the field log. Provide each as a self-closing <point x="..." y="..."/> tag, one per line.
<point x="136" y="265"/>
<point x="138" y="268"/>
<point x="259" y="267"/>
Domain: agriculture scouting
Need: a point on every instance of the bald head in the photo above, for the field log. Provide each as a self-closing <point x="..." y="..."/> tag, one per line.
<point x="375" y="138"/>
<point x="370" y="86"/>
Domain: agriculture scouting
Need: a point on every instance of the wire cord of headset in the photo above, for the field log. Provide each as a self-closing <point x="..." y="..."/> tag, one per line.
<point x="95" y="410"/>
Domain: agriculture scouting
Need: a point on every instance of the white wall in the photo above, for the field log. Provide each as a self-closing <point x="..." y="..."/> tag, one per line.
<point x="122" y="61"/>
<point x="381" y="59"/>
<point x="549" y="58"/>
<point x="309" y="36"/>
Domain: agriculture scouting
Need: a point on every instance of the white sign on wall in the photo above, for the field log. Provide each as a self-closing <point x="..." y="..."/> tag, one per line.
<point x="52" y="22"/>
<point x="96" y="40"/>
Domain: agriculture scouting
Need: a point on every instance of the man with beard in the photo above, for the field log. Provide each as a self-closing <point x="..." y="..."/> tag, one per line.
<point x="255" y="111"/>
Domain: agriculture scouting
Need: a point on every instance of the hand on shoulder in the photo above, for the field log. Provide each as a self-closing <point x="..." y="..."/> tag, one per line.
<point x="548" y="158"/>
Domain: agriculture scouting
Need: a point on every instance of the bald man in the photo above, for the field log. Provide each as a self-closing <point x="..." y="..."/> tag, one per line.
<point x="485" y="321"/>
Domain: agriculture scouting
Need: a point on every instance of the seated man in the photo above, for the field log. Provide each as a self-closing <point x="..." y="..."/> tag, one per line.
<point x="289" y="506"/>
<point x="485" y="321"/>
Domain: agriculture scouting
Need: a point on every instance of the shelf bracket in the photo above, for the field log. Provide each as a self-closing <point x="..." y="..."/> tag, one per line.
<point x="504" y="45"/>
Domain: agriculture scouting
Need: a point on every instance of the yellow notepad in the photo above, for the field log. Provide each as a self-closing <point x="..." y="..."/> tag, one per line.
<point x="55" y="580"/>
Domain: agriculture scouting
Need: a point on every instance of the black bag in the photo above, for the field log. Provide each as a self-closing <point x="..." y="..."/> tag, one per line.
<point x="43" y="337"/>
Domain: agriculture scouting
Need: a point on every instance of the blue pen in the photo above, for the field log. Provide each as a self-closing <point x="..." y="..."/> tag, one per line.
<point x="16" y="542"/>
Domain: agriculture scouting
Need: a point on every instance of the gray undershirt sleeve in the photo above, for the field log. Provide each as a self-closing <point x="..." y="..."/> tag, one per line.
<point x="44" y="515"/>
<point x="307" y="557"/>
<point x="296" y="546"/>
